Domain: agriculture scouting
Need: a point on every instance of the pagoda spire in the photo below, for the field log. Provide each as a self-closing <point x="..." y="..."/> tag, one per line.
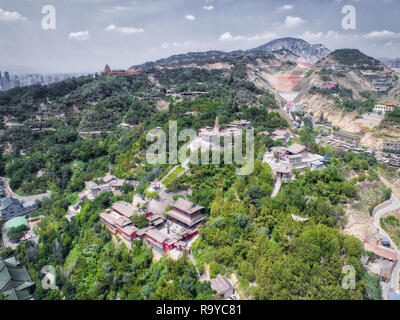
<point x="217" y="128"/>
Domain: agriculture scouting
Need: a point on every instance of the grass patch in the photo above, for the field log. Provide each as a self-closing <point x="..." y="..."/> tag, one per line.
<point x="372" y="287"/>
<point x="391" y="224"/>
<point x="174" y="175"/>
<point x="71" y="260"/>
<point x="309" y="73"/>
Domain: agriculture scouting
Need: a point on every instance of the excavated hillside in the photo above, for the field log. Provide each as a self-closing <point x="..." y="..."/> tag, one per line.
<point x="352" y="72"/>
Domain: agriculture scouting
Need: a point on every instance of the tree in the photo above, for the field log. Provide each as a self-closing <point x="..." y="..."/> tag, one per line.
<point x="126" y="188"/>
<point x="140" y="221"/>
<point x="15" y="234"/>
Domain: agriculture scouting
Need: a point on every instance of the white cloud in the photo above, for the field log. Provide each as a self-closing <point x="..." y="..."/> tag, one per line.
<point x="190" y="17"/>
<point x="286" y="7"/>
<point x="10" y="15"/>
<point x="381" y="35"/>
<point x="293" y="22"/>
<point x="227" y="36"/>
<point x="81" y="35"/>
<point x="208" y="7"/>
<point x="124" y="30"/>
<point x="320" y="36"/>
<point x="168" y="45"/>
<point x="124" y="8"/>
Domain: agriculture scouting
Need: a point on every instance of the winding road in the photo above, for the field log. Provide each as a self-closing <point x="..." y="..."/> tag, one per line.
<point x="11" y="193"/>
<point x="379" y="212"/>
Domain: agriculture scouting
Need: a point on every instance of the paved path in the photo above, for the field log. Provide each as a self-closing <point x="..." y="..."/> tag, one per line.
<point x="277" y="188"/>
<point x="379" y="212"/>
<point x="11" y="193"/>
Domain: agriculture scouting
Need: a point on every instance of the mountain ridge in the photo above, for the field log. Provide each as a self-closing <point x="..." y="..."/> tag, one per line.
<point x="299" y="47"/>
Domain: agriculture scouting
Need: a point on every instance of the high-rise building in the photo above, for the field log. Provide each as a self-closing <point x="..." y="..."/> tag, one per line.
<point x="7" y="76"/>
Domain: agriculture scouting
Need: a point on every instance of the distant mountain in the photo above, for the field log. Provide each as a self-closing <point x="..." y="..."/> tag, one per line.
<point x="352" y="58"/>
<point x="311" y="52"/>
<point x="198" y="58"/>
<point x="299" y="47"/>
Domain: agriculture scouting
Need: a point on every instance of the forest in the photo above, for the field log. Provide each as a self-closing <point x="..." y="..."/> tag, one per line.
<point x="247" y="232"/>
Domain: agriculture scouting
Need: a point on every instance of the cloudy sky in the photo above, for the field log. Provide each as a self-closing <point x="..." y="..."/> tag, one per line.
<point x="91" y="33"/>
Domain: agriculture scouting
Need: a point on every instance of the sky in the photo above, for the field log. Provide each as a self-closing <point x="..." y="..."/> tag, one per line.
<point x="91" y="33"/>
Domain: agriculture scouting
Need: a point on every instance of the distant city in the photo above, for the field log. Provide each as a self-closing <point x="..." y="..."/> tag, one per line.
<point x="393" y="64"/>
<point x="9" y="81"/>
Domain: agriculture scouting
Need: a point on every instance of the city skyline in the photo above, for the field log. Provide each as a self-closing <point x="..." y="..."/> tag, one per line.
<point x="123" y="33"/>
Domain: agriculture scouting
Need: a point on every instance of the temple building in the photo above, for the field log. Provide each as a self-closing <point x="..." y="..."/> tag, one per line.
<point x="118" y="224"/>
<point x="211" y="138"/>
<point x="186" y="212"/>
<point x="284" y="160"/>
<point x="15" y="281"/>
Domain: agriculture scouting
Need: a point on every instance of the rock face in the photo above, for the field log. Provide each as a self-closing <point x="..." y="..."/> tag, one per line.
<point x="311" y="52"/>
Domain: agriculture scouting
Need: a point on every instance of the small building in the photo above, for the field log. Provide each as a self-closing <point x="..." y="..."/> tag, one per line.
<point x="281" y="135"/>
<point x="125" y="126"/>
<point x="15" y="281"/>
<point x="155" y="220"/>
<point x="284" y="172"/>
<point x="347" y="137"/>
<point x="294" y="107"/>
<point x="386" y="273"/>
<point x="110" y="179"/>
<point x="186" y="212"/>
<point x="297" y="149"/>
<point x="391" y="147"/>
<point x="383" y="108"/>
<point x="91" y="192"/>
<point x="118" y="224"/>
<point x="381" y="88"/>
<point x="239" y="124"/>
<point x="223" y="286"/>
<point x="382" y="253"/>
<point x="317" y="165"/>
<point x="13" y="207"/>
<point x="159" y="241"/>
<point x="327" y="86"/>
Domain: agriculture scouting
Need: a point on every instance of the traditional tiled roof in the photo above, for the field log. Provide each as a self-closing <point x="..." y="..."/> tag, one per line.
<point x="109" y="178"/>
<point x="115" y="219"/>
<point x="187" y="206"/>
<point x="382" y="252"/>
<point x="91" y="185"/>
<point x="6" y="202"/>
<point x="190" y="221"/>
<point x="283" y="168"/>
<point x="124" y="208"/>
<point x="221" y="284"/>
<point x="14" y="280"/>
<point x="157" y="235"/>
<point x="296" y="148"/>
